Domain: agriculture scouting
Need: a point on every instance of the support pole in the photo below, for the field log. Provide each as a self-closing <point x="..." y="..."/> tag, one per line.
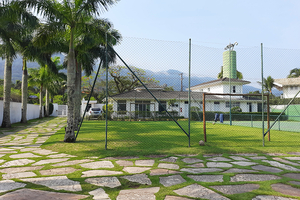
<point x="268" y="116"/>
<point x="204" y="121"/>
<point x="106" y="103"/>
<point x="190" y="50"/>
<point x="262" y="95"/>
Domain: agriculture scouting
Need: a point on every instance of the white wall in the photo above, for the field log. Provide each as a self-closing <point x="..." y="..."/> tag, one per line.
<point x="33" y="112"/>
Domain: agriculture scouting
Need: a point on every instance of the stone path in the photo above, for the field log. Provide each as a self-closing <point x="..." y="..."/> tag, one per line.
<point x="30" y="172"/>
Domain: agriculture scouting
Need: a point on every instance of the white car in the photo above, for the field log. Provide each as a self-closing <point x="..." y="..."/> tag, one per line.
<point x="94" y="113"/>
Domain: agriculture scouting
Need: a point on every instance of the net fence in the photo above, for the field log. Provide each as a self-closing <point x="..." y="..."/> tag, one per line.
<point x="159" y="113"/>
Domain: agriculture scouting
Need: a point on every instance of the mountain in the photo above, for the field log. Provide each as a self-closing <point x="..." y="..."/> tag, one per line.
<point x="170" y="77"/>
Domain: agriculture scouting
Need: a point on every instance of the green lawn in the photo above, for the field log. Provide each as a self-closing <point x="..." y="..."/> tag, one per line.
<point x="165" y="137"/>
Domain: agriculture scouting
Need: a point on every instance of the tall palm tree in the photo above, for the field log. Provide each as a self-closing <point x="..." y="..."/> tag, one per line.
<point x="268" y="84"/>
<point x="294" y="73"/>
<point x="14" y="23"/>
<point x="67" y="16"/>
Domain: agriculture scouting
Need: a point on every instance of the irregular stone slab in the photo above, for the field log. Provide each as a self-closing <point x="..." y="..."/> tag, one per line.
<point x="138" y="178"/>
<point x="239" y="158"/>
<point x="7" y="185"/>
<point x="266" y="168"/>
<point x="207" y="178"/>
<point x="58" y="171"/>
<point x="121" y="158"/>
<point x="61" y="155"/>
<point x="99" y="194"/>
<point x="168" y="166"/>
<point x="169" y="159"/>
<point x="48" y="161"/>
<point x="19" y="169"/>
<point x="156" y="172"/>
<point x="236" y="170"/>
<point x="191" y="160"/>
<point x="98" y="164"/>
<point x="245" y="154"/>
<point x="30" y="149"/>
<point x="218" y="164"/>
<point x="198" y="191"/>
<point x="110" y="182"/>
<point x="56" y="183"/>
<point x="200" y="170"/>
<point x="24" y="155"/>
<point x="124" y="163"/>
<point x="294" y="153"/>
<point x="40" y="195"/>
<point x="196" y="165"/>
<point x="212" y="155"/>
<point x="268" y="197"/>
<point x="138" y="194"/>
<point x="72" y="162"/>
<point x="258" y="158"/>
<point x="219" y="159"/>
<point x="295" y="182"/>
<point x="20" y="162"/>
<point x="243" y="163"/>
<point x="8" y="152"/>
<point x="292" y="175"/>
<point x="171" y="180"/>
<point x="253" y="177"/>
<point x="275" y="154"/>
<point x="292" y="158"/>
<point x="18" y="175"/>
<point x="44" y="152"/>
<point x="135" y="170"/>
<point x="286" y="189"/>
<point x="286" y="161"/>
<point x="156" y="156"/>
<point x="280" y="165"/>
<point x="6" y="149"/>
<point x="236" y="189"/>
<point x="91" y="173"/>
<point x="175" y="198"/>
<point x="144" y="162"/>
<point x="1" y="161"/>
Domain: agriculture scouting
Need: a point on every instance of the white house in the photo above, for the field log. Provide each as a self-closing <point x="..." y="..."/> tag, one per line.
<point x="289" y="86"/>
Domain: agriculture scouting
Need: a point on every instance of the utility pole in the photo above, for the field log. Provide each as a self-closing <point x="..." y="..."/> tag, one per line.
<point x="181" y="79"/>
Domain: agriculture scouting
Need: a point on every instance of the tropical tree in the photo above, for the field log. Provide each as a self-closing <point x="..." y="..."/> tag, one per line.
<point x="125" y="80"/>
<point x="14" y="23"/>
<point x="294" y="73"/>
<point x="268" y="84"/>
<point x="68" y="16"/>
<point x="238" y="74"/>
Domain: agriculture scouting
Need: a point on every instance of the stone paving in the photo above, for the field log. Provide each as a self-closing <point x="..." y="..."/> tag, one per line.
<point x="55" y="175"/>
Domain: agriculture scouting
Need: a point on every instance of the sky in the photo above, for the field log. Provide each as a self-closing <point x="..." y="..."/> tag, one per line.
<point x="250" y="22"/>
<point x="211" y="25"/>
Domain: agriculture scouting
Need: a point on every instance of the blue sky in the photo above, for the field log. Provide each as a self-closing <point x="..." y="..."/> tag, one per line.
<point x="211" y="24"/>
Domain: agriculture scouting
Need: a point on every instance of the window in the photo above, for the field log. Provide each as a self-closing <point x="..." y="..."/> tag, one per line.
<point x="121" y="105"/>
<point x="292" y="87"/>
<point x="233" y="89"/>
<point x="216" y="102"/>
<point x="163" y="106"/>
<point x="296" y="87"/>
<point x="233" y="104"/>
<point x="208" y="89"/>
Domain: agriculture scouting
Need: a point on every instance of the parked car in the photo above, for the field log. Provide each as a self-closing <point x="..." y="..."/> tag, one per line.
<point x="94" y="113"/>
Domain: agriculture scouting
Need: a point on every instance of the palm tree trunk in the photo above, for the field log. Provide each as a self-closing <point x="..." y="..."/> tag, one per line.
<point x="41" y="102"/>
<point x="78" y="97"/>
<point x="24" y="92"/>
<point x="6" y="93"/>
<point x="69" y="134"/>
<point x="47" y="103"/>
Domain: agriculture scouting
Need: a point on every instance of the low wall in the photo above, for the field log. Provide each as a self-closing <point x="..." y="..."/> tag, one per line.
<point x="33" y="112"/>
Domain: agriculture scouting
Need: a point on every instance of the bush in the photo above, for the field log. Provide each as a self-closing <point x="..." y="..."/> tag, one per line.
<point x="236" y="109"/>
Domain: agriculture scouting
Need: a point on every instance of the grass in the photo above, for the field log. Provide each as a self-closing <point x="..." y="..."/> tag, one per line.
<point x="145" y="138"/>
<point x="140" y="138"/>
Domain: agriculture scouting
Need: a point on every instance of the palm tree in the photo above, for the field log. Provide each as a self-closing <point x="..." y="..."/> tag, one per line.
<point x="294" y="73"/>
<point x="68" y="16"/>
<point x="268" y="84"/>
<point x="14" y="23"/>
<point x="238" y="74"/>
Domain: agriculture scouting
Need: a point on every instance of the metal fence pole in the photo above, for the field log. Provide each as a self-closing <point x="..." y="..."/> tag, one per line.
<point x="262" y="95"/>
<point x="190" y="41"/>
<point x="106" y="103"/>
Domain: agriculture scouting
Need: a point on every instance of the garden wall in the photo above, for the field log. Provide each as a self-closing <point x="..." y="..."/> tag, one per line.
<point x="33" y="112"/>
